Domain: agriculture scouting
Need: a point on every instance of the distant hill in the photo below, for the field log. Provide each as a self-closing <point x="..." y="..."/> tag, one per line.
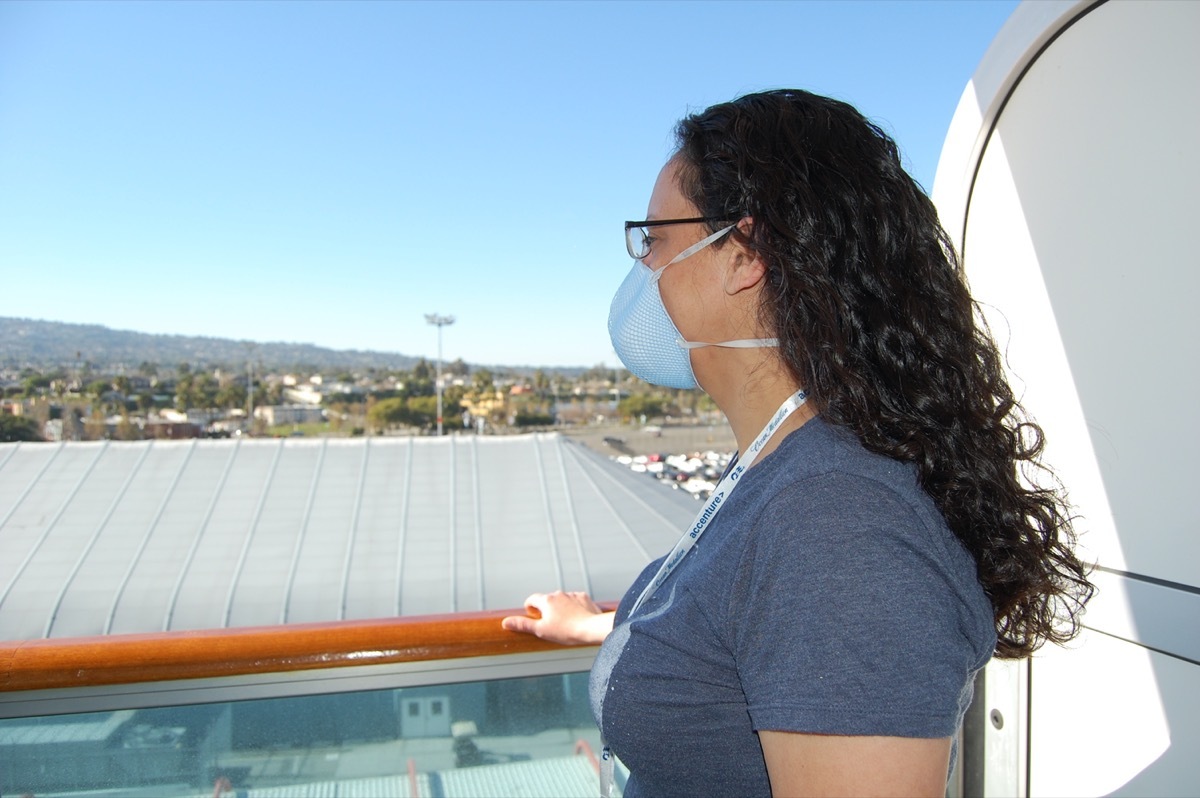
<point x="42" y="344"/>
<point x="29" y="342"/>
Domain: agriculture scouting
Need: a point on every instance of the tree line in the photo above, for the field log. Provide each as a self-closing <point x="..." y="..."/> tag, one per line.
<point x="369" y="401"/>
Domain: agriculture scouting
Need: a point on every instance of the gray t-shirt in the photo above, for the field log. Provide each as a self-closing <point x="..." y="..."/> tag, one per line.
<point x="827" y="596"/>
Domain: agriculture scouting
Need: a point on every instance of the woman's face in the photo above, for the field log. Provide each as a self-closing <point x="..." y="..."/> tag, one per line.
<point x="667" y="202"/>
<point x="691" y="288"/>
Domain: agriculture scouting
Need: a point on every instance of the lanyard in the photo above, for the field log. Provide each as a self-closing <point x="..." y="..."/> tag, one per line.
<point x="716" y="500"/>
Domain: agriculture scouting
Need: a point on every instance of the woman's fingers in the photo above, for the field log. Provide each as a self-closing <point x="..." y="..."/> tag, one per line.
<point x="559" y="616"/>
<point x="519" y="623"/>
<point x="535" y="605"/>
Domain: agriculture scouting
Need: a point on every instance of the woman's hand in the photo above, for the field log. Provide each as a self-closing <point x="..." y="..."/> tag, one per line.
<point x="568" y="618"/>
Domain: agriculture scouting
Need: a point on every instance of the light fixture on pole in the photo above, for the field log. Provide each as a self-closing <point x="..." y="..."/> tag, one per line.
<point x="440" y="322"/>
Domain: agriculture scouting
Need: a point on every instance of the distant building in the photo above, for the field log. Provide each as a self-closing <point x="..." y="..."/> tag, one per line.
<point x="202" y="418"/>
<point x="278" y="415"/>
<point x="486" y="403"/>
<point x="303" y="395"/>
<point x="52" y="430"/>
<point x="170" y="430"/>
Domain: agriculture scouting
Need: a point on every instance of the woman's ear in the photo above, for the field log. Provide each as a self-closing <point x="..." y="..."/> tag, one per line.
<point x="746" y="269"/>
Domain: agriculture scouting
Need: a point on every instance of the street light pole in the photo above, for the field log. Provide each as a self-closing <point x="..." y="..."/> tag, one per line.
<point x="440" y="322"/>
<point x="249" y="388"/>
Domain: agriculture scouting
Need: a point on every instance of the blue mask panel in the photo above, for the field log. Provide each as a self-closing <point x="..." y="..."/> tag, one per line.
<point x="644" y="336"/>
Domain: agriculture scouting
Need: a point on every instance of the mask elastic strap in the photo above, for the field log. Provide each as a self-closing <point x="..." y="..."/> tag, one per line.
<point x="692" y="250"/>
<point x="741" y="343"/>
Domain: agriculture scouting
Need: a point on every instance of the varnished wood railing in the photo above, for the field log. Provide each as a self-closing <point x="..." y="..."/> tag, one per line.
<point x="128" y="659"/>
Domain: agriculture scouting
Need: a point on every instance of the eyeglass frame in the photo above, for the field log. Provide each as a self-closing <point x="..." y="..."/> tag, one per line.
<point x="657" y="223"/>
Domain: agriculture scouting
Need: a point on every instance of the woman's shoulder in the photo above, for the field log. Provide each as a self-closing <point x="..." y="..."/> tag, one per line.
<point x="829" y="505"/>
<point x="824" y="464"/>
<point x="857" y="543"/>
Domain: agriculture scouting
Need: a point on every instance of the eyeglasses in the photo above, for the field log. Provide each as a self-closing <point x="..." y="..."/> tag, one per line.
<point x="638" y="238"/>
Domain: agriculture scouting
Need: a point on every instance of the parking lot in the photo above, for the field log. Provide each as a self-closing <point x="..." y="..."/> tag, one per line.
<point x="631" y="440"/>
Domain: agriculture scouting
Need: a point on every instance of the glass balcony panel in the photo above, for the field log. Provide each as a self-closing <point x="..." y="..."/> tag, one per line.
<point x="529" y="736"/>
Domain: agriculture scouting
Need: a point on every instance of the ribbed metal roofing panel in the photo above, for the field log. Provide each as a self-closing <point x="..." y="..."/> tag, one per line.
<point x="316" y="590"/>
<point x="561" y="777"/>
<point x="98" y="728"/>
<point x="558" y="777"/>
<point x="368" y="787"/>
<point x="144" y="536"/>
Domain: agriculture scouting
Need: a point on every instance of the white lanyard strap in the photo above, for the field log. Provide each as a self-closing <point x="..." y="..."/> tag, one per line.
<point x="718" y="498"/>
<point x="714" y="504"/>
<point x="606" y="772"/>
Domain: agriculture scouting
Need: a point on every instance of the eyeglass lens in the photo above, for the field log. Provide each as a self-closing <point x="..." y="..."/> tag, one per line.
<point x="636" y="242"/>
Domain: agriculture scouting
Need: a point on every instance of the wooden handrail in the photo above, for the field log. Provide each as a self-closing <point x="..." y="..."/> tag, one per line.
<point x="127" y="659"/>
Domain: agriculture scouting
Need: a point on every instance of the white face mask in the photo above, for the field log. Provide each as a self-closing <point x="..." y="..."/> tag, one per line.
<point x="643" y="335"/>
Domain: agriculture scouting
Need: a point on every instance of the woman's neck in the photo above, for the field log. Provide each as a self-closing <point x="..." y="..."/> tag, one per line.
<point x="750" y="397"/>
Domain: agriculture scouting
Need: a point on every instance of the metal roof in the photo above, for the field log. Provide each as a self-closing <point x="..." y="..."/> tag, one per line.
<point x="97" y="728"/>
<point x="147" y="536"/>
<point x="556" y="777"/>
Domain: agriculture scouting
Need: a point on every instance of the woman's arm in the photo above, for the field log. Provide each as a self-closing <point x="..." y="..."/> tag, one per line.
<point x="568" y="618"/>
<point x="831" y="765"/>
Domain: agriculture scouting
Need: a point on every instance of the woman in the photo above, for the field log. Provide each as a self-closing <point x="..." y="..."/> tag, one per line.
<point x="819" y="627"/>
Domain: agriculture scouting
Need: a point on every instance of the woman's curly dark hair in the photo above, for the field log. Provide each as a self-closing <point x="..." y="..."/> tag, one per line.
<point x="875" y="319"/>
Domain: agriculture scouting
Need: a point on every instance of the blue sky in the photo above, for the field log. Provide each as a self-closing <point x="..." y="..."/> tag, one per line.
<point x="330" y="172"/>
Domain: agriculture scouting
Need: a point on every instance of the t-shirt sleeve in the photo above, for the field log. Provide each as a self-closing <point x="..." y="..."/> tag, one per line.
<point x="847" y="616"/>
